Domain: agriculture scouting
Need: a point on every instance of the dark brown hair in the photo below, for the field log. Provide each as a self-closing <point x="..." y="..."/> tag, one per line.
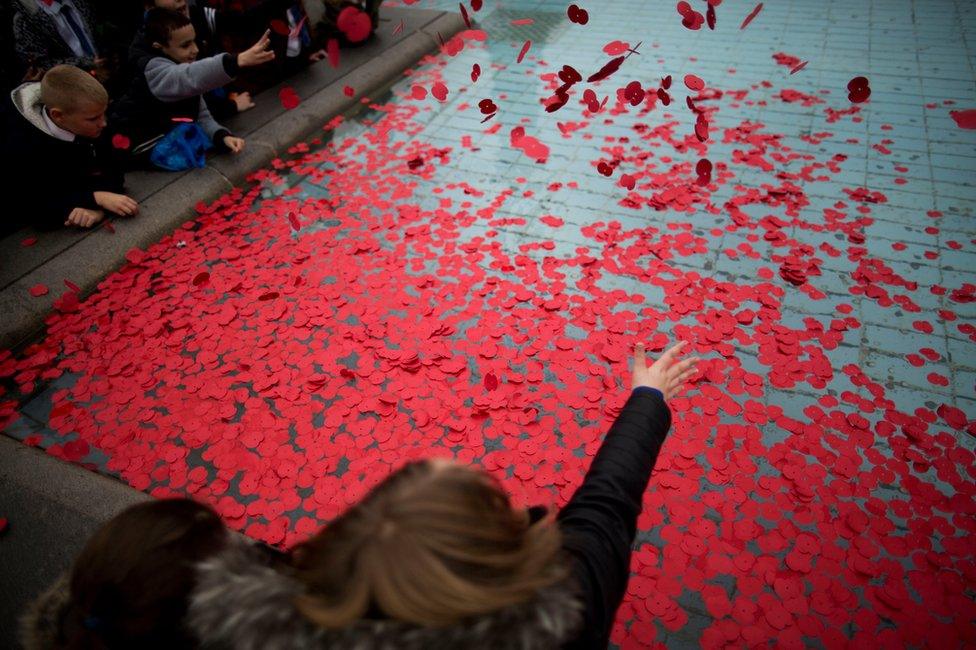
<point x="161" y="23"/>
<point x="433" y="544"/>
<point x="131" y="583"/>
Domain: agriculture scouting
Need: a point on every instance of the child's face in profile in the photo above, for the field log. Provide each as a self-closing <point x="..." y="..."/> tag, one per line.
<point x="86" y="121"/>
<point x="182" y="45"/>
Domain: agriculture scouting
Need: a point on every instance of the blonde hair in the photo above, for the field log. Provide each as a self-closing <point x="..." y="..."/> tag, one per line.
<point x="69" y="88"/>
<point x="431" y="545"/>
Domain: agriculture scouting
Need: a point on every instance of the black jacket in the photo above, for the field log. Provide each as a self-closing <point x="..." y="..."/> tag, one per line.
<point x="600" y="521"/>
<point x="48" y="177"/>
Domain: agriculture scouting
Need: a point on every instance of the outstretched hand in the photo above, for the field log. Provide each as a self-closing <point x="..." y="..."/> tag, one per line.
<point x="664" y="374"/>
<point x="257" y="53"/>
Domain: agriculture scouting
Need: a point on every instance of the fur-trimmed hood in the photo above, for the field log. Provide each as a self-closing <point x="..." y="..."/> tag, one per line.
<point x="40" y="624"/>
<point x="26" y="98"/>
<point x="242" y="603"/>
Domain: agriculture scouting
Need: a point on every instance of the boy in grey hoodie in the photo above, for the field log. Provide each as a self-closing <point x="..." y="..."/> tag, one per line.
<point x="169" y="84"/>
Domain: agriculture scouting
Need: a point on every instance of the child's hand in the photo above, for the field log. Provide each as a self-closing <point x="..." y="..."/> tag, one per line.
<point x="257" y="53"/>
<point x="235" y="144"/>
<point x="243" y="101"/>
<point x="119" y="204"/>
<point x="316" y="56"/>
<point x="664" y="374"/>
<point x="84" y="218"/>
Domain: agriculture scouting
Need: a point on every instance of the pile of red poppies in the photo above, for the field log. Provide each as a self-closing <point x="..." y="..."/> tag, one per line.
<point x="278" y="357"/>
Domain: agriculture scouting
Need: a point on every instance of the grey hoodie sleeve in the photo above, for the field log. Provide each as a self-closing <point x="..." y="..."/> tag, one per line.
<point x="170" y="81"/>
<point x="209" y="125"/>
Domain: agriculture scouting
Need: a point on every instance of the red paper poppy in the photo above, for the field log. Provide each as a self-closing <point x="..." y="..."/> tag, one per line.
<point x="751" y="16"/>
<point x="289" y="98"/>
<point x="694" y="83"/>
<point x="355" y="24"/>
<point x="577" y="15"/>
<point x="964" y="119"/>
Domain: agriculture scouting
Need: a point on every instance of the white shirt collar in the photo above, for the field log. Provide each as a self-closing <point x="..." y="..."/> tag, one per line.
<point x="56" y="130"/>
<point x="52" y="8"/>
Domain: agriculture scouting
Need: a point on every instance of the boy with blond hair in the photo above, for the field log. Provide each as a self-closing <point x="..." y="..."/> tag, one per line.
<point x="62" y="168"/>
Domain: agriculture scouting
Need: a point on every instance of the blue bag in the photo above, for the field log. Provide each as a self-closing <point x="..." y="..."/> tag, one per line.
<point x="184" y="147"/>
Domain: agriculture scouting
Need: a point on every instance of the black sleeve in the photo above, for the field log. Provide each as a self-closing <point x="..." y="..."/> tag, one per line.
<point x="600" y="522"/>
<point x="231" y="66"/>
<point x="218" y="140"/>
<point x="54" y="201"/>
<point x="109" y="174"/>
<point x="51" y="209"/>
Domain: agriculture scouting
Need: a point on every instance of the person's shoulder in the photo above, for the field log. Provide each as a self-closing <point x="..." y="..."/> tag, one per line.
<point x="138" y="43"/>
<point x="159" y="60"/>
<point x="154" y="63"/>
<point x="200" y="16"/>
<point x="29" y="15"/>
<point x="197" y="11"/>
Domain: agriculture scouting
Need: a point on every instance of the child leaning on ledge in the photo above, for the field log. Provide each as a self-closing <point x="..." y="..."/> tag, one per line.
<point x="62" y="168"/>
<point x="164" y="114"/>
<point x="213" y="27"/>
